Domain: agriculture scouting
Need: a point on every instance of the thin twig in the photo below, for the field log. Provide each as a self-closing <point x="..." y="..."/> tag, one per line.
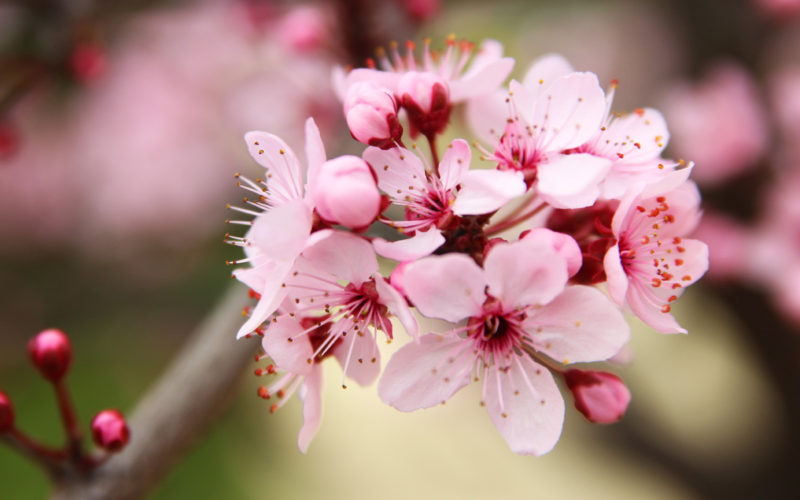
<point x="181" y="406"/>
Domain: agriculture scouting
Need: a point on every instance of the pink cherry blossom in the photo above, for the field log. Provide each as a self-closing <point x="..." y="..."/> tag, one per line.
<point x="652" y="261"/>
<point x="600" y="396"/>
<point x="433" y="200"/>
<point x="464" y="76"/>
<point x="519" y="313"/>
<point x="283" y="217"/>
<point x="336" y="279"/>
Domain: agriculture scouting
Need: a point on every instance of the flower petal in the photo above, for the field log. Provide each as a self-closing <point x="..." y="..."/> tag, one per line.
<point x="580" y="325"/>
<point x="343" y="255"/>
<point x="526" y="272"/>
<point x="400" y="172"/>
<point x="360" y="358"/>
<point x="287" y="345"/>
<point x="272" y="294"/>
<point x="572" y="181"/>
<point x="423" y="243"/>
<point x="615" y="274"/>
<point x="484" y="191"/>
<point x="282" y="232"/>
<point x="315" y="153"/>
<point x="397" y="305"/>
<point x="449" y="287"/>
<point x="525" y="405"/>
<point x="455" y="163"/>
<point x="285" y="176"/>
<point x="544" y="71"/>
<point x="421" y="375"/>
<point x="311" y="394"/>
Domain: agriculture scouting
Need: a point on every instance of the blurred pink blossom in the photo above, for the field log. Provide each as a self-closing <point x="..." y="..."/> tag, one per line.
<point x="719" y="123"/>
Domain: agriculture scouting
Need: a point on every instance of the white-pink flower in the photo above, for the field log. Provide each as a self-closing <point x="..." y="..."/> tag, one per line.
<point x="433" y="200"/>
<point x="283" y="217"/>
<point x="514" y="315"/>
<point x="652" y="261"/>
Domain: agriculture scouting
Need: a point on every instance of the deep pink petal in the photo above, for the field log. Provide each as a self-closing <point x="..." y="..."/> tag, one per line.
<point x="484" y="191"/>
<point x="526" y="272"/>
<point x="285" y="175"/>
<point x="580" y="325"/>
<point x="525" y="405"/>
<point x="449" y="287"/>
<point x="421" y="375"/>
<point x="311" y="394"/>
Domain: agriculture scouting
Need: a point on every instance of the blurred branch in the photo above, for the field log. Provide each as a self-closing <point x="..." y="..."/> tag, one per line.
<point x="181" y="406"/>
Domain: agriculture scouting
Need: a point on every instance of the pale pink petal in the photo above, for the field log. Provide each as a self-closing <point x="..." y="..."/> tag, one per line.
<point x="523" y="101"/>
<point x="484" y="191"/>
<point x="311" y="394"/>
<point x="397" y="305"/>
<point x="544" y="71"/>
<point x="487" y="115"/>
<point x="615" y="274"/>
<point x="649" y="312"/>
<point x="359" y="356"/>
<point x="251" y="277"/>
<point x="525" y="405"/>
<point x="281" y="232"/>
<point x="677" y="175"/>
<point x="455" y="163"/>
<point x="580" y="325"/>
<point x="449" y="287"/>
<point x="487" y="79"/>
<point x="423" y="243"/>
<point x="288" y="346"/>
<point x="572" y="181"/>
<point x="285" y="175"/>
<point x="385" y="79"/>
<point x="569" y="112"/>
<point x="344" y="255"/>
<point x="272" y="294"/>
<point x="525" y="272"/>
<point x="562" y="243"/>
<point x="636" y="137"/>
<point x="315" y="152"/>
<point x="421" y="374"/>
<point x="656" y="177"/>
<point x="397" y="169"/>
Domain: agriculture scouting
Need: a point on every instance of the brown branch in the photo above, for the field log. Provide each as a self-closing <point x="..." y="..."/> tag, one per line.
<point x="180" y="407"/>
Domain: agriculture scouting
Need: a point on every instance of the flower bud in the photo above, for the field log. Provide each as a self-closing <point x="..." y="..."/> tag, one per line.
<point x="426" y="98"/>
<point x="303" y="28"/>
<point x="87" y="62"/>
<point x="9" y="140"/>
<point x="345" y="192"/>
<point x="6" y="413"/>
<point x="371" y="113"/>
<point x="601" y="397"/>
<point x="109" y="430"/>
<point x="421" y="10"/>
<point x="51" y="354"/>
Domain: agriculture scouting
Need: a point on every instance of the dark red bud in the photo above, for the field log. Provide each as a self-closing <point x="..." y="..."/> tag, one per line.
<point x="51" y="354"/>
<point x="88" y="62"/>
<point x="602" y="397"/>
<point x="6" y="413"/>
<point x="110" y="431"/>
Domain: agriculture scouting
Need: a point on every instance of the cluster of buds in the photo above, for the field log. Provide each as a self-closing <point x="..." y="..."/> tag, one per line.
<point x="570" y="196"/>
<point x="51" y="354"/>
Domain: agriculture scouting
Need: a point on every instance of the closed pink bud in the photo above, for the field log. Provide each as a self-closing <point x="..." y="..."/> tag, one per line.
<point x="601" y="397"/>
<point x="371" y="113"/>
<point x="110" y="431"/>
<point x="6" y="413"/>
<point x="426" y="98"/>
<point x="51" y="354"/>
<point x="345" y="192"/>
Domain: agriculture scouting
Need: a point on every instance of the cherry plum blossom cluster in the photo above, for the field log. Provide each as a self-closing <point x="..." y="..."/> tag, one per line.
<point x="527" y="245"/>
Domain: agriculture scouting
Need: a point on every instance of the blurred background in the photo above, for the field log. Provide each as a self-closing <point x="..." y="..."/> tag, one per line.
<point x="120" y="133"/>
